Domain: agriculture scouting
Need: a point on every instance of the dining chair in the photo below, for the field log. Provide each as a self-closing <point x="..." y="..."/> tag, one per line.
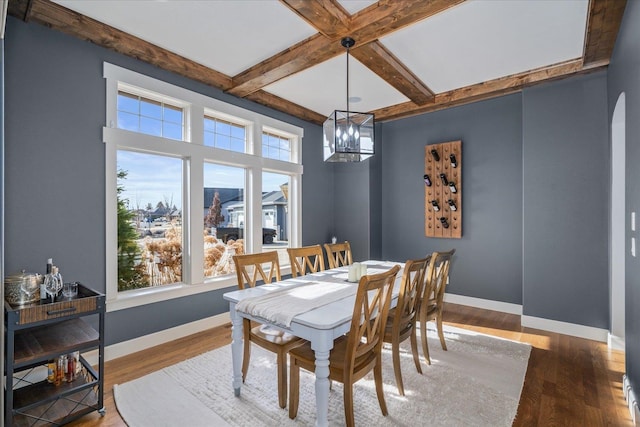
<point x="432" y="301"/>
<point x="251" y="269"/>
<point x="356" y="353"/>
<point x="338" y="254"/>
<point x="403" y="317"/>
<point x="308" y="259"/>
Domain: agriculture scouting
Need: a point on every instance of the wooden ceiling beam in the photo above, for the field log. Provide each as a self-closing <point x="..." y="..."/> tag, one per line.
<point x="603" y="24"/>
<point x="382" y="62"/>
<point x="366" y="26"/>
<point x="270" y="100"/>
<point x="486" y="90"/>
<point x="326" y="16"/>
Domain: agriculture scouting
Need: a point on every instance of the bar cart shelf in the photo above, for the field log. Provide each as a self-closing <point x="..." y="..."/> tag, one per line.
<point x="39" y="332"/>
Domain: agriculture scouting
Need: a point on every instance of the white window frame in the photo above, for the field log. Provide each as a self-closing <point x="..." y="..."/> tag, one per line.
<point x="194" y="154"/>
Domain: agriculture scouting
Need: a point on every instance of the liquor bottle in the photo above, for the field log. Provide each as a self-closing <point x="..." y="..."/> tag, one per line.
<point x="427" y="180"/>
<point x="452" y="187"/>
<point x="452" y="205"/>
<point x="443" y="177"/>
<point x="43" y="289"/>
<point x="452" y="158"/>
<point x="435" y="205"/>
<point x="444" y="222"/>
<point x="435" y="155"/>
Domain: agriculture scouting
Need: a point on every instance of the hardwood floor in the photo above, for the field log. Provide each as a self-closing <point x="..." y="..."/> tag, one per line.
<point x="569" y="382"/>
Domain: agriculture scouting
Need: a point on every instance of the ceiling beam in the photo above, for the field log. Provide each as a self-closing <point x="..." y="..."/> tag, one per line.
<point x="486" y="90"/>
<point x="331" y="20"/>
<point x="365" y="26"/>
<point x="382" y="62"/>
<point x="328" y="17"/>
<point x="603" y="25"/>
<point x="281" y="104"/>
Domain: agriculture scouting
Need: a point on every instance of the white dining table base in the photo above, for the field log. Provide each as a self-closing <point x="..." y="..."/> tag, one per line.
<point x="321" y="343"/>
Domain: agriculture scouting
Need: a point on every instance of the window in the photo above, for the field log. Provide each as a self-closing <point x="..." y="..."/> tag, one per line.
<point x="225" y="135"/>
<point x="177" y="213"/>
<point x="143" y="115"/>
<point x="275" y="212"/>
<point x="223" y="218"/>
<point x="276" y="147"/>
<point x="149" y="220"/>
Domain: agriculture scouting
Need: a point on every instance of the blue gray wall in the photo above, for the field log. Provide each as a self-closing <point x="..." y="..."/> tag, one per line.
<point x="535" y="196"/>
<point x="623" y="76"/>
<point x="566" y="201"/>
<point x="488" y="262"/>
<point x="55" y="173"/>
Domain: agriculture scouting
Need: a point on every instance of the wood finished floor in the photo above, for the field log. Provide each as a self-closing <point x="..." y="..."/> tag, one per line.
<point x="569" y="382"/>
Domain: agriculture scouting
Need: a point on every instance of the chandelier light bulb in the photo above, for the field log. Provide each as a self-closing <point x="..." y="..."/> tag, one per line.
<point x="351" y="130"/>
<point x="357" y="135"/>
<point x="338" y="133"/>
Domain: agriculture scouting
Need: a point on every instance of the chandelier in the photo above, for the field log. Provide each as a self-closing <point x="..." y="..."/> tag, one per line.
<point x="348" y="136"/>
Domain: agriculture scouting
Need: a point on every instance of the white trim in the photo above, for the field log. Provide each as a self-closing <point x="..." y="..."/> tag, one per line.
<point x="504" y="307"/>
<point x="581" y="331"/>
<point x="147" y="341"/>
<point x="632" y="402"/>
<point x="615" y="342"/>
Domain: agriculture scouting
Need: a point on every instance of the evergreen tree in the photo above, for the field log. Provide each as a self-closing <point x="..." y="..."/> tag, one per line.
<point x="130" y="275"/>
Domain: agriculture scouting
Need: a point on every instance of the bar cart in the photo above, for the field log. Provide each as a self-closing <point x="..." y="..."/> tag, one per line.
<point x="40" y="332"/>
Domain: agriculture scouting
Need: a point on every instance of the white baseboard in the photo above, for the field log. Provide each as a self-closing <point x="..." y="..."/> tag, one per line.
<point x="581" y="331"/>
<point x="575" y="330"/>
<point x="632" y="402"/>
<point x="504" y="307"/>
<point x="141" y="343"/>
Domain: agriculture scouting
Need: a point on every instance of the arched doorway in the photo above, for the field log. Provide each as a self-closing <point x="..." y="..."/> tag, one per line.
<point x="618" y="224"/>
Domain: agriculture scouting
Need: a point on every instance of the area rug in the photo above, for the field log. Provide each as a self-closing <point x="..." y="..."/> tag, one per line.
<point x="477" y="382"/>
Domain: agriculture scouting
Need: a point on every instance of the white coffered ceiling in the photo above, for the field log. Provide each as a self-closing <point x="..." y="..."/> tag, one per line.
<point x="462" y="44"/>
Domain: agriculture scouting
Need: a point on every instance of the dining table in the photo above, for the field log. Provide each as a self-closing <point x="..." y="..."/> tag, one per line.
<point x="317" y="307"/>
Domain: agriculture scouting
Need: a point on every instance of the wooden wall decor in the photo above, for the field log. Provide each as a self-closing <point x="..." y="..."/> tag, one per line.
<point x="443" y="190"/>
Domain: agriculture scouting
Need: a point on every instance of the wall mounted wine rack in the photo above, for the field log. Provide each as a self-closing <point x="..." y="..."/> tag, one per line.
<point x="443" y="190"/>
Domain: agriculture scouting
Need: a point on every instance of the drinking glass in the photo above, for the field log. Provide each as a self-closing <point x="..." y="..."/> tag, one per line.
<point x="70" y="290"/>
<point x="52" y="285"/>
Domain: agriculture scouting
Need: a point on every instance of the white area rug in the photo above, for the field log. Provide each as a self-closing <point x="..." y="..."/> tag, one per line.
<point x="477" y="382"/>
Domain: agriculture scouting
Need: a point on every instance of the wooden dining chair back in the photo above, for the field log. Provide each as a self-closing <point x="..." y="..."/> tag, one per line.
<point x="338" y="254"/>
<point x="308" y="259"/>
<point x="253" y="268"/>
<point x="403" y="318"/>
<point x="432" y="302"/>
<point x="250" y="270"/>
<point x="356" y="353"/>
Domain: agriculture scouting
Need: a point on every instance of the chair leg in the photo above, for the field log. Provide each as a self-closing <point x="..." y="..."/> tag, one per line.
<point x="414" y="349"/>
<point x="377" y="375"/>
<point x="348" y="403"/>
<point x="282" y="379"/>
<point x="423" y="337"/>
<point x="440" y="332"/>
<point x="247" y="352"/>
<point x="294" y="388"/>
<point x="395" y="351"/>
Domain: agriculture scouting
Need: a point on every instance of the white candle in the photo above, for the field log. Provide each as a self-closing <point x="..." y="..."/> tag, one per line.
<point x="353" y="273"/>
<point x="363" y="270"/>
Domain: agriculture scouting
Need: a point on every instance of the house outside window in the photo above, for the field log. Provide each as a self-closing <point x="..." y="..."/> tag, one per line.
<point x="173" y="208"/>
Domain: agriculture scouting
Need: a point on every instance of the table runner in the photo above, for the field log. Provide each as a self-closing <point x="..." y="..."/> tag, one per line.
<point x="280" y="306"/>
